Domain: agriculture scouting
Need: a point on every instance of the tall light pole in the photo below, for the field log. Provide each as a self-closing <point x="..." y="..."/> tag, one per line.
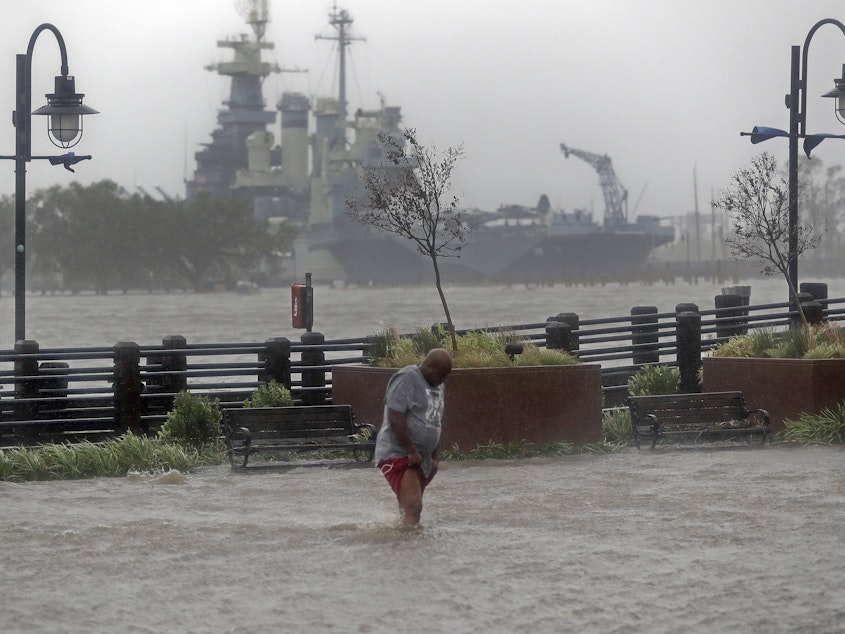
<point x="796" y="102"/>
<point x="64" y="127"/>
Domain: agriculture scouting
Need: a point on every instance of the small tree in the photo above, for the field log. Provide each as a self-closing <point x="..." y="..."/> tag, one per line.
<point x="757" y="202"/>
<point x="408" y="194"/>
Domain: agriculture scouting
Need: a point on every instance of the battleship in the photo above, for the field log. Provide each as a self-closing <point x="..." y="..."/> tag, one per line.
<point x="305" y="180"/>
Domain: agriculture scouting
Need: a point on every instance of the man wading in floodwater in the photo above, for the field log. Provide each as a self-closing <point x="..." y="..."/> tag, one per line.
<point x="407" y="443"/>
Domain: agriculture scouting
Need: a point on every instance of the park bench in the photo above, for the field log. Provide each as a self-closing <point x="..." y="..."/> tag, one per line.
<point x="697" y="416"/>
<point x="248" y="431"/>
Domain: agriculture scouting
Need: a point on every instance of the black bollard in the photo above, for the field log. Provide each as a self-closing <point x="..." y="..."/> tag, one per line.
<point x="127" y="388"/>
<point x="686" y="308"/>
<point x="644" y="335"/>
<point x="174" y="361"/>
<point x="26" y="388"/>
<point x="276" y="360"/>
<point x="574" y="322"/>
<point x="313" y="379"/>
<point x="54" y="386"/>
<point x="730" y="316"/>
<point x="559" y="336"/>
<point x="688" y="341"/>
<point x="794" y="313"/>
<point x="813" y="312"/>
<point x="817" y="290"/>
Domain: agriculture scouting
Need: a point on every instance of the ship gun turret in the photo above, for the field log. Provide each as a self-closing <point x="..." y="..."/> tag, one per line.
<point x="615" y="195"/>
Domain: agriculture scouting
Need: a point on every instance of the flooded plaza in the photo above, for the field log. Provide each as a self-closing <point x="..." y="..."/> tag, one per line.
<point x="638" y="541"/>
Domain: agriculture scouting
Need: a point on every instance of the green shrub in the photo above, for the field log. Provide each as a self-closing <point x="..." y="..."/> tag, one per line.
<point x="828" y="426"/>
<point x="654" y="379"/>
<point x="272" y="394"/>
<point x="194" y="420"/>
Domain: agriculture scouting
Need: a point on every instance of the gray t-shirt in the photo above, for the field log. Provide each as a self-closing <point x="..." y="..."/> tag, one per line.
<point x="422" y="404"/>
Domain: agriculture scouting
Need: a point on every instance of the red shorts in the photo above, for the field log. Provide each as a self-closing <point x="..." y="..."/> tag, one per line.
<point x="394" y="468"/>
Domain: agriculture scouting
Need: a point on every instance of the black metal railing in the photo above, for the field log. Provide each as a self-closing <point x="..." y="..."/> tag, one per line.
<point x="102" y="391"/>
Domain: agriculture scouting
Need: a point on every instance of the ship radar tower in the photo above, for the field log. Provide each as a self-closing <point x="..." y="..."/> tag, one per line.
<point x="342" y="22"/>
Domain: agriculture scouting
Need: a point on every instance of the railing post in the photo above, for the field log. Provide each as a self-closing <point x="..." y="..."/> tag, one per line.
<point x="817" y="290"/>
<point x="572" y="320"/>
<point x="734" y="324"/>
<point x="688" y="341"/>
<point x="686" y="308"/>
<point x="813" y="311"/>
<point x="168" y="380"/>
<point x="558" y="336"/>
<point x="174" y="361"/>
<point x="127" y="388"/>
<point x="276" y="360"/>
<point x="315" y="378"/>
<point x="53" y="386"/>
<point x="27" y="388"/>
<point x="644" y="335"/>
<point x="794" y="314"/>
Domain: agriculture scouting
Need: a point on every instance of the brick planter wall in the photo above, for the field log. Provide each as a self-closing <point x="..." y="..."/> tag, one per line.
<point x="538" y="404"/>
<point x="784" y="387"/>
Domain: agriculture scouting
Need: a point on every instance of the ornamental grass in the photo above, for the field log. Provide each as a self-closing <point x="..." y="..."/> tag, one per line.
<point x="476" y="349"/>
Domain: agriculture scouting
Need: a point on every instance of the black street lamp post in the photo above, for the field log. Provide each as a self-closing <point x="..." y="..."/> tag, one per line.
<point x="64" y="126"/>
<point x="796" y="102"/>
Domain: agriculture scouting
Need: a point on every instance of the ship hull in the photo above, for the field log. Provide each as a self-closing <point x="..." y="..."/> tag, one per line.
<point x="384" y="260"/>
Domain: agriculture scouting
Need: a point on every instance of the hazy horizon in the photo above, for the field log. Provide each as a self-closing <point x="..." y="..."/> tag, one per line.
<point x="663" y="87"/>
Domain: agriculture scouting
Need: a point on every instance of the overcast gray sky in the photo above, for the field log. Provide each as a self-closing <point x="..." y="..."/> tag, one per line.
<point x="662" y="86"/>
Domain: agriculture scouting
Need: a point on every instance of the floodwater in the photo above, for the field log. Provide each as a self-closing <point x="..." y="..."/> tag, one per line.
<point x="639" y="541"/>
<point x="58" y="321"/>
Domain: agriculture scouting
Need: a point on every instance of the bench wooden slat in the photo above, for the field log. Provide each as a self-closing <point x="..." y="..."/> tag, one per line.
<point x="699" y="415"/>
<point x="296" y="428"/>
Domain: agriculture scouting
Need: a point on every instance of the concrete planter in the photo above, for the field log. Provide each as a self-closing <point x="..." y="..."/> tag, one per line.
<point x="538" y="404"/>
<point x="784" y="387"/>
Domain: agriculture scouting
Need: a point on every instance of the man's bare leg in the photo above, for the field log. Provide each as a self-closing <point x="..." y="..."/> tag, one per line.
<point x="410" y="498"/>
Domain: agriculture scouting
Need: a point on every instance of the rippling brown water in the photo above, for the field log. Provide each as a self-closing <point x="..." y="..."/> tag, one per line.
<point x="103" y="320"/>
<point x="705" y="541"/>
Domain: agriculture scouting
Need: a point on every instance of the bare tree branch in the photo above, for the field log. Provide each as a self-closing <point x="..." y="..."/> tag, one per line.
<point x="757" y="204"/>
<point x="409" y="194"/>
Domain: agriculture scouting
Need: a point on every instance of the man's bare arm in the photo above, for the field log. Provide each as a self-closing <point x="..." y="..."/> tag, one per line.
<point x="400" y="429"/>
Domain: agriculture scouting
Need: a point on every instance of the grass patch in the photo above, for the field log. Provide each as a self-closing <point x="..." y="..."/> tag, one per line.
<point x="111" y="458"/>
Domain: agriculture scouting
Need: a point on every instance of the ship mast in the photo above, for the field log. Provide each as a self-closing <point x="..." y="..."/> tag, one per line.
<point x="341" y="21"/>
<point x="256" y="13"/>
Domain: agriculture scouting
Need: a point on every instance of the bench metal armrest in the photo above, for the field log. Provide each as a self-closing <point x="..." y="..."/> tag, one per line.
<point x="366" y="428"/>
<point x="653" y="428"/>
<point x="767" y="424"/>
<point x="239" y="433"/>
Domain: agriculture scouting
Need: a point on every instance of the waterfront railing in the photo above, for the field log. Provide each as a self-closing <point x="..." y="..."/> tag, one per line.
<point x="104" y="391"/>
